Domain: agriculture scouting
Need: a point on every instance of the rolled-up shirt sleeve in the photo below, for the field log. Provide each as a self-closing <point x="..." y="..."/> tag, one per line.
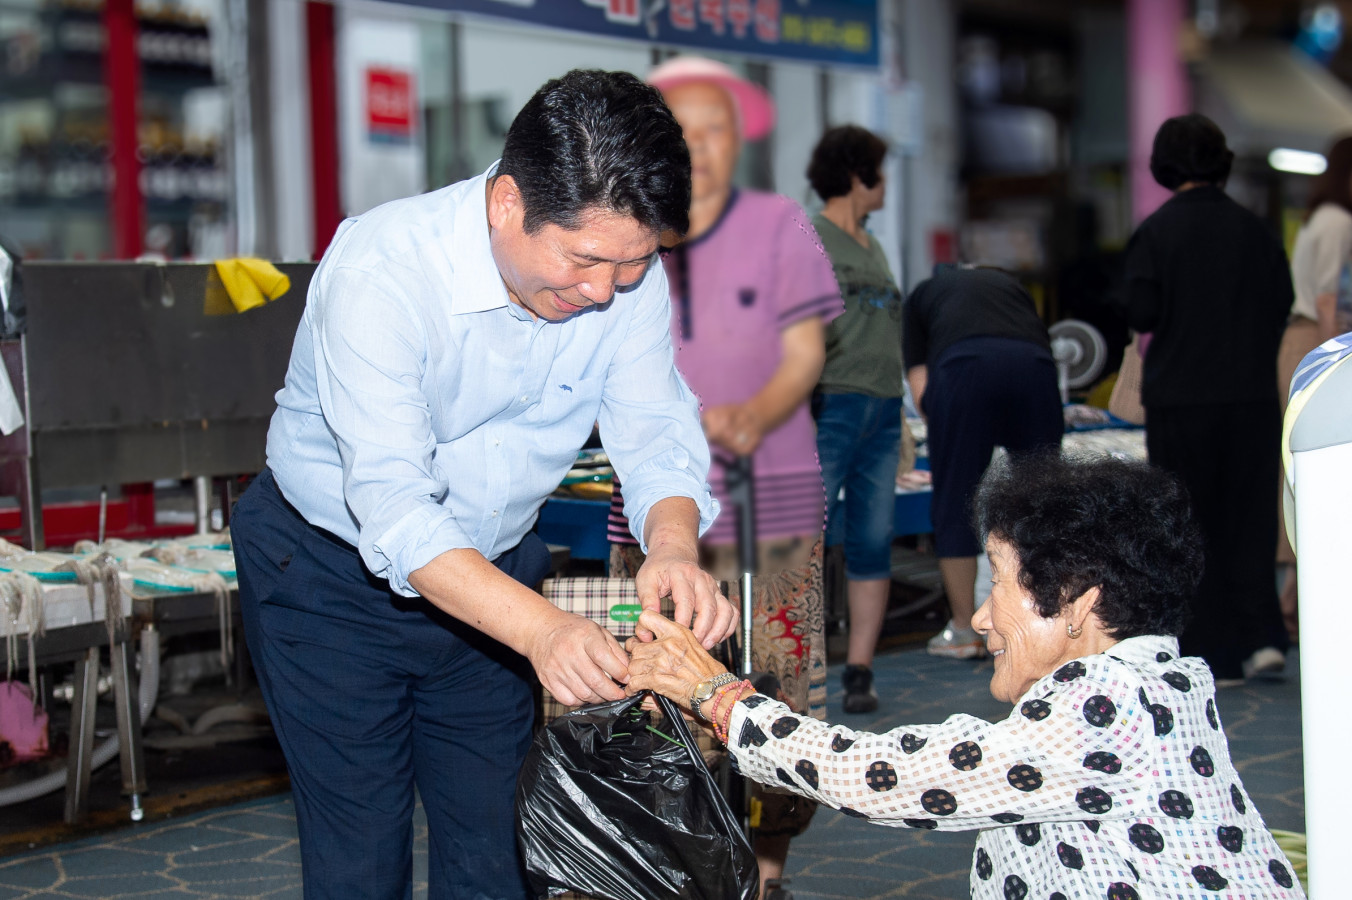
<point x="370" y="360"/>
<point x="649" y="418"/>
<point x="1068" y="752"/>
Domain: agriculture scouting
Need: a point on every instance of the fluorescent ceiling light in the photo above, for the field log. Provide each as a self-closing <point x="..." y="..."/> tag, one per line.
<point x="1300" y="162"/>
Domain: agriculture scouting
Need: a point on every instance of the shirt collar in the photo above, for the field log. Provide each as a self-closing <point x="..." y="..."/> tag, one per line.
<point x="1144" y="649"/>
<point x="477" y="284"/>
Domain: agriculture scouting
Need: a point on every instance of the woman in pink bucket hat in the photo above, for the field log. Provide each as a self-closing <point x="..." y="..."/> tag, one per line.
<point x="752" y="291"/>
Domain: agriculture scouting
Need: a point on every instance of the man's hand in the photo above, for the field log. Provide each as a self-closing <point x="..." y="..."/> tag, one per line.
<point x="699" y="604"/>
<point x="578" y="661"/>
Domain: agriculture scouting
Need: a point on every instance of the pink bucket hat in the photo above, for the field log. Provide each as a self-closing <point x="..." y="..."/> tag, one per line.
<point x="755" y="109"/>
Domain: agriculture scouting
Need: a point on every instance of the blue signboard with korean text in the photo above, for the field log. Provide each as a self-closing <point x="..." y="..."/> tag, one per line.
<point x="824" y="31"/>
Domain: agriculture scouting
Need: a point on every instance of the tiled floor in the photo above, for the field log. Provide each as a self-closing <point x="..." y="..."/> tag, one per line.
<point x="250" y="850"/>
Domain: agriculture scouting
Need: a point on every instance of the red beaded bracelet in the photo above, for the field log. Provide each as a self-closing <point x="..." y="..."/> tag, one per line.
<point x="720" y="723"/>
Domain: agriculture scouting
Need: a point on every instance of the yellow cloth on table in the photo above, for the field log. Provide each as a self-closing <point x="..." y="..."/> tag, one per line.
<point x="251" y="282"/>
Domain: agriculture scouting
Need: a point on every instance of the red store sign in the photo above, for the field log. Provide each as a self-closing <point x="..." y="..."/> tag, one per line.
<point x="389" y="105"/>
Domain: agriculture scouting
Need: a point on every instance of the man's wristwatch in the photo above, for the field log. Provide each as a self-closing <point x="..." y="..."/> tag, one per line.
<point x="706" y="689"/>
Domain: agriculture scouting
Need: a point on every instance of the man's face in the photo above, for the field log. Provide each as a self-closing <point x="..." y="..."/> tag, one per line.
<point x="709" y="121"/>
<point x="558" y="272"/>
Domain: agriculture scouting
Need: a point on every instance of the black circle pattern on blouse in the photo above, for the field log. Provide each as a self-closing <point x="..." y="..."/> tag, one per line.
<point x="1164" y="719"/>
<point x="1209" y="878"/>
<point x="1280" y="873"/>
<point x="1070" y="857"/>
<point x="1024" y="777"/>
<point x="880" y="776"/>
<point x="1093" y="800"/>
<point x="1103" y="761"/>
<point x="983" y="864"/>
<point x="751" y="735"/>
<point x="1231" y="837"/>
<point x="1145" y="838"/>
<point x="965" y="756"/>
<point x="1178" y="681"/>
<point x="1069" y="672"/>
<point x="1035" y="710"/>
<point x="1099" y="711"/>
<point x="1176" y="804"/>
<point x="939" y="802"/>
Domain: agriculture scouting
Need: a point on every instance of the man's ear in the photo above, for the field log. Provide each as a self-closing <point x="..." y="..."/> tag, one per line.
<point x="504" y="203"/>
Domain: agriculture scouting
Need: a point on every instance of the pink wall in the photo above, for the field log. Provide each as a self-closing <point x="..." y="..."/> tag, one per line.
<point x="1157" y="89"/>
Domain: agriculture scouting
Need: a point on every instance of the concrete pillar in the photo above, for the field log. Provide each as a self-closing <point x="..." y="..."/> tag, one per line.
<point x="1157" y="89"/>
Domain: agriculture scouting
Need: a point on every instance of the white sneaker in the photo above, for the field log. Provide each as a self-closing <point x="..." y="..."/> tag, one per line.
<point x="957" y="643"/>
<point x="1266" y="662"/>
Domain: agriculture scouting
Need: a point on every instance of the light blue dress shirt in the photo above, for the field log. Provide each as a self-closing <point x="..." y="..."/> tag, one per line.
<point x="423" y="411"/>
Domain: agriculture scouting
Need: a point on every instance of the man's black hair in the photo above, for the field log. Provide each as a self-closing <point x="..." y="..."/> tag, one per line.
<point x="842" y="152"/>
<point x="1190" y="148"/>
<point x="599" y="140"/>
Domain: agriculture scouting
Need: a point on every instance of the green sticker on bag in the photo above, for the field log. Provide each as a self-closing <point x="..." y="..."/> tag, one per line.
<point x="625" y="612"/>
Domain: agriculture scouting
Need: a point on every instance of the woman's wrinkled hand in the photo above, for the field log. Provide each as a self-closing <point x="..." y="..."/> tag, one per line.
<point x="672" y="664"/>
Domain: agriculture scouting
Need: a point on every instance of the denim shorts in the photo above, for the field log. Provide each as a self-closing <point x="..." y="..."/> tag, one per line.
<point x="859" y="445"/>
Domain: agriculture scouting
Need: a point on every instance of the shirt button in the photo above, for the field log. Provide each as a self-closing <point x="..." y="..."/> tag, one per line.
<point x="524" y="398"/>
<point x="495" y="513"/>
<point x="497" y="442"/>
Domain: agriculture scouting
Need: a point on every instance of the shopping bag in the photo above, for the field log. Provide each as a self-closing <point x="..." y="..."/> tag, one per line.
<point x="616" y="803"/>
<point x="1125" y="401"/>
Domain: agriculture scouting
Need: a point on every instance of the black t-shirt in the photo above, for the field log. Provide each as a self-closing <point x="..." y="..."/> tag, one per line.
<point x="958" y="302"/>
<point x="1210" y="281"/>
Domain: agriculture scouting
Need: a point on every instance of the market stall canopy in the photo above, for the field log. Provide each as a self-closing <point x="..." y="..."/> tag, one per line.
<point x="1266" y="95"/>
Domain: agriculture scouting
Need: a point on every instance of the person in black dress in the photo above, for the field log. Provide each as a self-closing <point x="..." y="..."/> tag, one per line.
<point x="1209" y="281"/>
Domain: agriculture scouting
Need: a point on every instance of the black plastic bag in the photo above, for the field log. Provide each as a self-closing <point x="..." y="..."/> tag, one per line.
<point x="610" y="808"/>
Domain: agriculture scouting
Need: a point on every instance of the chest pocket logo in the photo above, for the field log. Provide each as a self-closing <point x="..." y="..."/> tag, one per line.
<point x="747" y="296"/>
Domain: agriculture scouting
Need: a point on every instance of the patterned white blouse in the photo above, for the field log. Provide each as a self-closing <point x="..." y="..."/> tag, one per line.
<point x="1111" y="779"/>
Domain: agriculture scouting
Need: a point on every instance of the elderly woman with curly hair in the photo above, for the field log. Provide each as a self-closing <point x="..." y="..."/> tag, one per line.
<point x="1111" y="777"/>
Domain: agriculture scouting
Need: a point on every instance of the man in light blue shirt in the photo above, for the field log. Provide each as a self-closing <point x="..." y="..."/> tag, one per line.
<point x="455" y="351"/>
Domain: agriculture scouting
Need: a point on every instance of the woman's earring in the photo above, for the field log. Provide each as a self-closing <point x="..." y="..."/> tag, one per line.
<point x="1072" y="632"/>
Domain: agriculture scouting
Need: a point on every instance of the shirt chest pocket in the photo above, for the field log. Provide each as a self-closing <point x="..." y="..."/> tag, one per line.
<point x="563" y="416"/>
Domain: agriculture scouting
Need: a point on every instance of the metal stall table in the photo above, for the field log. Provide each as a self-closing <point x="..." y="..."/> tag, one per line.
<point x="132" y="372"/>
<point x="76" y="630"/>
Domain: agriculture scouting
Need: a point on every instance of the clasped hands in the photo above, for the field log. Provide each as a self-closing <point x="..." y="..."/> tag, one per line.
<point x="580" y="662"/>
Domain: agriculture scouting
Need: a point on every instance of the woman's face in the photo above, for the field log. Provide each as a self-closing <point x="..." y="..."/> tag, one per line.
<point x="709" y="121"/>
<point x="871" y="197"/>
<point x="1024" y="645"/>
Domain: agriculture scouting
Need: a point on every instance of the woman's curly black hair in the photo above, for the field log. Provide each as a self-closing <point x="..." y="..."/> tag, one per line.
<point x="844" y="152"/>
<point x="1078" y="523"/>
